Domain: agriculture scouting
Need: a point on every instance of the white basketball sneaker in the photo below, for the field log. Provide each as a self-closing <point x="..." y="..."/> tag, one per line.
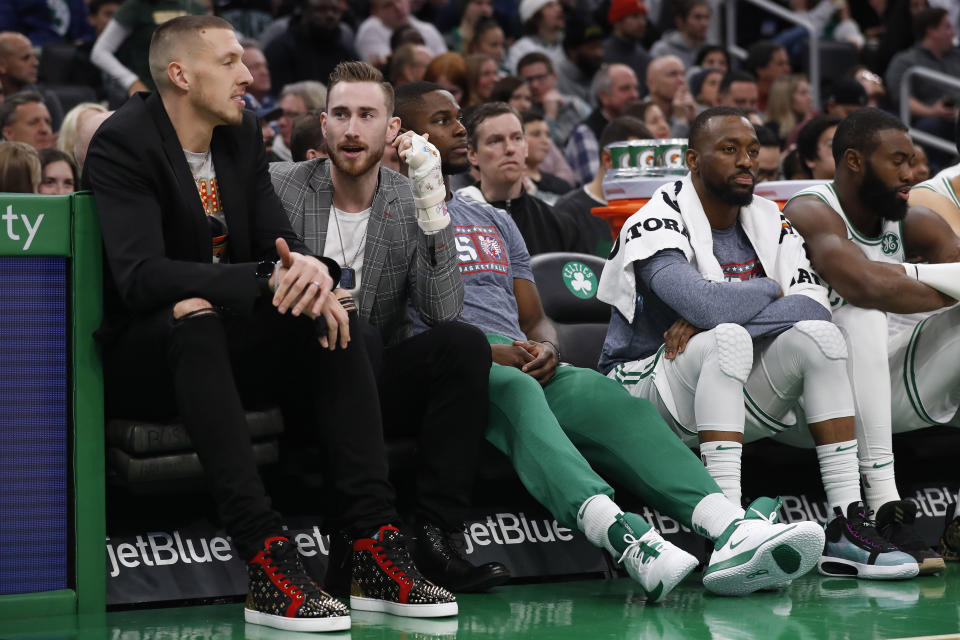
<point x="657" y="565"/>
<point x="757" y="552"/>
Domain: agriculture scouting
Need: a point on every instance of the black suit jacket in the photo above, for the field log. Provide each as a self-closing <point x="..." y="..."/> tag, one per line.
<point x="156" y="236"/>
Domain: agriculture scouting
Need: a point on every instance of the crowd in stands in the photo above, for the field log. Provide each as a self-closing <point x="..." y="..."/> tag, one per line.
<point x="575" y="65"/>
<point x="517" y="103"/>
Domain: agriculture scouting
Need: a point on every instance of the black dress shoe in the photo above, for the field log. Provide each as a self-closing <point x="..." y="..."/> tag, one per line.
<point x="446" y="566"/>
<point x="339" y="567"/>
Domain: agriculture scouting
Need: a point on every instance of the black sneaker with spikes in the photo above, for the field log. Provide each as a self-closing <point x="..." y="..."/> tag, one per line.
<point x="282" y="595"/>
<point x="385" y="579"/>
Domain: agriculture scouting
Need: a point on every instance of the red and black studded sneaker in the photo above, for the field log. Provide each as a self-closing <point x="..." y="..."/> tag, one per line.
<point x="385" y="579"/>
<point x="282" y="595"/>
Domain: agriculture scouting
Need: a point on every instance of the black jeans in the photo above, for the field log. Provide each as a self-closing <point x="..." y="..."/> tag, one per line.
<point x="435" y="386"/>
<point x="202" y="368"/>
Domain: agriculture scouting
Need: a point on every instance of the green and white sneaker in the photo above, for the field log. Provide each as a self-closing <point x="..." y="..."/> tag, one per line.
<point x="657" y="565"/>
<point x="757" y="552"/>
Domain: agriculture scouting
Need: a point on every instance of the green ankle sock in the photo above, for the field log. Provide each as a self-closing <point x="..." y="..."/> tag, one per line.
<point x="626" y="524"/>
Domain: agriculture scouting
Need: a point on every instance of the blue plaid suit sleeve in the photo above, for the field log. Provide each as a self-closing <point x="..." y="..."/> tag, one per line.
<point x="583" y="154"/>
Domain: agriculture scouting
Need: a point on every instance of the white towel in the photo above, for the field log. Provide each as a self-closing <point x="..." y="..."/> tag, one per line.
<point x="674" y="219"/>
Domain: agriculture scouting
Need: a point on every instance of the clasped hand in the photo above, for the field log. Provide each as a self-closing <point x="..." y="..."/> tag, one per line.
<point x="539" y="359"/>
<point x="302" y="284"/>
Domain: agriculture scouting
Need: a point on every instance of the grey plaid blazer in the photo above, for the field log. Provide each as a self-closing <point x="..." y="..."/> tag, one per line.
<point x="399" y="267"/>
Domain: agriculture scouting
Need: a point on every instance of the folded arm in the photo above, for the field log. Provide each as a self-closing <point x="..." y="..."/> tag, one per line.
<point x="703" y="303"/>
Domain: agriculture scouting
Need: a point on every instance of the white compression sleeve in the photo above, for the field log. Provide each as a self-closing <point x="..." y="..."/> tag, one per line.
<point x="945" y="278"/>
<point x="104" y="49"/>
<point x="867" y="364"/>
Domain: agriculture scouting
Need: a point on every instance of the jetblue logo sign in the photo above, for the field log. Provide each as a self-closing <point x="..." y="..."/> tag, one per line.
<point x="508" y="528"/>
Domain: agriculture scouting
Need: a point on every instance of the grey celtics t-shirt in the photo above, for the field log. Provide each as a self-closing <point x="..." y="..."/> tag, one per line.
<point x="491" y="254"/>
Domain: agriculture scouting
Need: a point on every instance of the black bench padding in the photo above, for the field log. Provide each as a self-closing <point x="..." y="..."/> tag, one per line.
<point x="140" y="438"/>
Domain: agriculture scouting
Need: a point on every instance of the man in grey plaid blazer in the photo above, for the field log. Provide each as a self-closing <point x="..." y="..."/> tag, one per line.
<point x="434" y="383"/>
<point x="401" y="265"/>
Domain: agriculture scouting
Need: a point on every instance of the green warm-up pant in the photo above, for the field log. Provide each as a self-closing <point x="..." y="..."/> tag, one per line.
<point x="582" y="424"/>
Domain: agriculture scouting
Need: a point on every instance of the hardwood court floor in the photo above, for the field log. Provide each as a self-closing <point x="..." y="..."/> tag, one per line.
<point x="812" y="607"/>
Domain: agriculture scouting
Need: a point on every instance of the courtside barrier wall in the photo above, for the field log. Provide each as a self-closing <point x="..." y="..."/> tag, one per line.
<point x="52" y="520"/>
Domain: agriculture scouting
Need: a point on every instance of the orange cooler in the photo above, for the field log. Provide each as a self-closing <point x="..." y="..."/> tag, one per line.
<point x="626" y="190"/>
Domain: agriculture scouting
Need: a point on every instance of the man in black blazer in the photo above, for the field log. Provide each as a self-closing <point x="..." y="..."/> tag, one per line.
<point x="200" y="319"/>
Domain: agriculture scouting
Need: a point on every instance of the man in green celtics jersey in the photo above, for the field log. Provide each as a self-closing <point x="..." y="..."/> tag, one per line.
<point x="864" y="240"/>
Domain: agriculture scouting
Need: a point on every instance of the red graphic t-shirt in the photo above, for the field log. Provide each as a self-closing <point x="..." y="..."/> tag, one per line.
<point x="208" y="188"/>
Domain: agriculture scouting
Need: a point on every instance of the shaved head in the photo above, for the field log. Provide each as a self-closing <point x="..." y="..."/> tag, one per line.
<point x="176" y="40"/>
<point x="9" y="42"/>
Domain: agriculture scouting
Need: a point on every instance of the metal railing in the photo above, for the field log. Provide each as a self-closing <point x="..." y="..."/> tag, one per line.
<point x="789" y="16"/>
<point x="905" y="94"/>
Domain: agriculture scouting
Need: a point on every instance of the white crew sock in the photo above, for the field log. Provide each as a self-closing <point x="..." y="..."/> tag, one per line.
<point x="713" y="515"/>
<point x="840" y="474"/>
<point x="879" y="481"/>
<point x="594" y="518"/>
<point x="722" y="460"/>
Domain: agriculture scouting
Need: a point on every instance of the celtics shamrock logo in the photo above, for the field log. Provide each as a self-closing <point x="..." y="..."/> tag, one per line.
<point x="580" y="280"/>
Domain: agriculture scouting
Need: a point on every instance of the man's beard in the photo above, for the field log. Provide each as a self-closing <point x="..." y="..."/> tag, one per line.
<point x="879" y="198"/>
<point x="207" y="104"/>
<point x="721" y="189"/>
<point x="451" y="168"/>
<point x="326" y="38"/>
<point x="356" y="168"/>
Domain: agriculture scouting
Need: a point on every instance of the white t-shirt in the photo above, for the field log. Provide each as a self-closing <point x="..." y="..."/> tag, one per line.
<point x="346" y="241"/>
<point x="373" y="38"/>
<point x="205" y="176"/>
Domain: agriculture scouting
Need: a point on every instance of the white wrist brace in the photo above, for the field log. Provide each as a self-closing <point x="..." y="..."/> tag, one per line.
<point x="945" y="278"/>
<point x="429" y="192"/>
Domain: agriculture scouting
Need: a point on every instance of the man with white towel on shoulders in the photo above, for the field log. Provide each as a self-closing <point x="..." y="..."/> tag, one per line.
<point x="720" y="321"/>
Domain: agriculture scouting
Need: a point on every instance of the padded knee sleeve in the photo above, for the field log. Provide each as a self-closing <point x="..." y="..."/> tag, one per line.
<point x="734" y="351"/>
<point x="826" y="383"/>
<point x="826" y="336"/>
